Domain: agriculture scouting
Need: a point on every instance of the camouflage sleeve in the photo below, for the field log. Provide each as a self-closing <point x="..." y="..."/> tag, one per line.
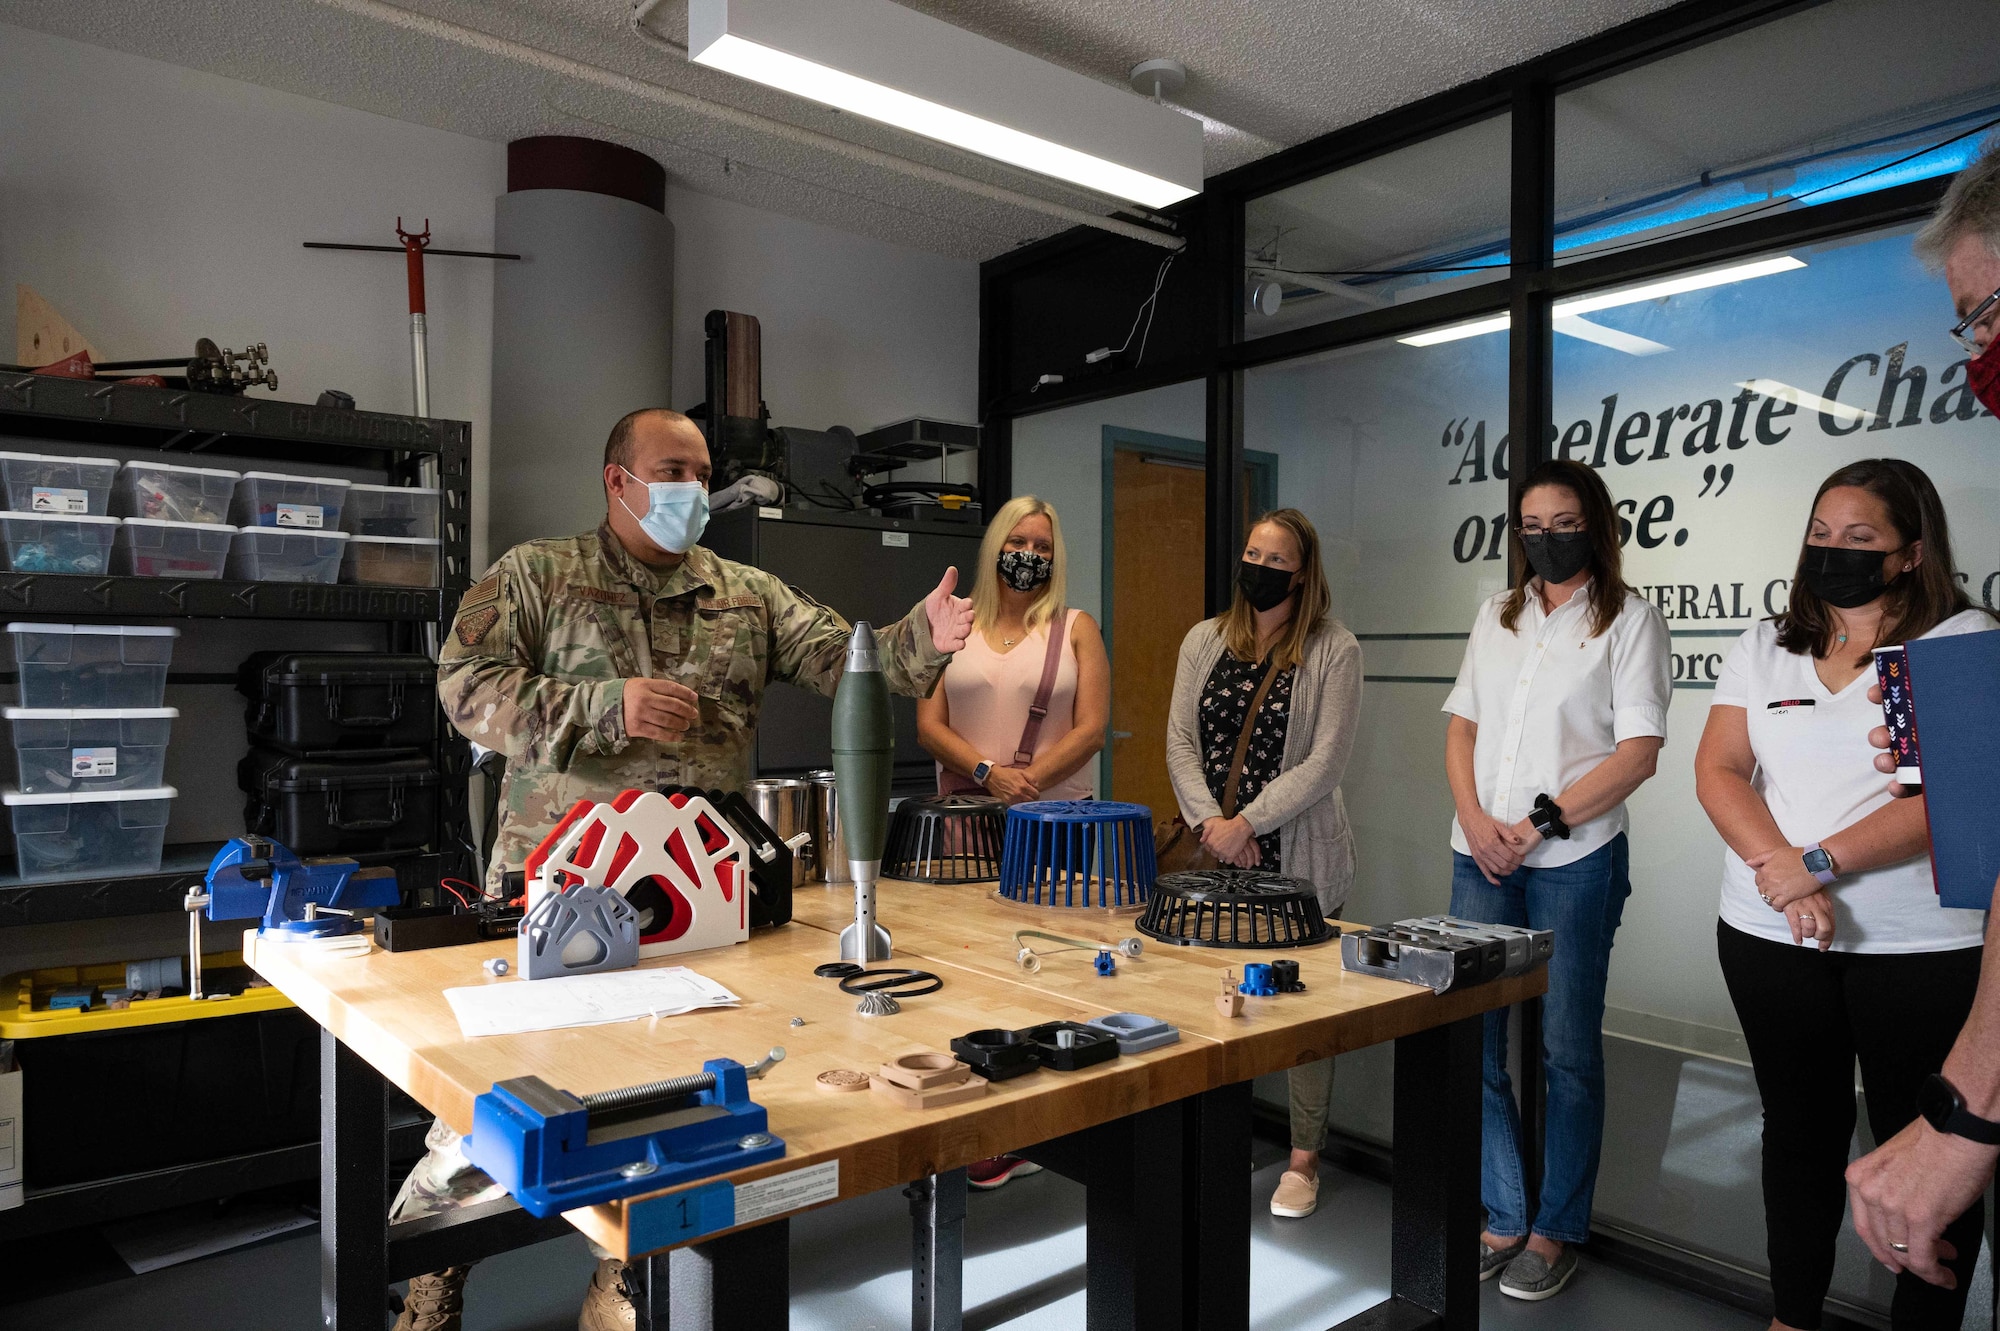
<point x="490" y="688"/>
<point x="809" y="645"/>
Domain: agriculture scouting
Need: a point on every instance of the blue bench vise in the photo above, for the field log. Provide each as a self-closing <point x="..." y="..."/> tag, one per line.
<point x="253" y="877"/>
<point x="556" y="1151"/>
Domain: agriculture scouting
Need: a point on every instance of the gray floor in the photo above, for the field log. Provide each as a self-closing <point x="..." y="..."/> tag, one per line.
<point x="1024" y="1272"/>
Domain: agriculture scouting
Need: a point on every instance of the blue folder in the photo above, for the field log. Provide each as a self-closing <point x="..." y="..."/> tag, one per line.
<point x="1955" y="687"/>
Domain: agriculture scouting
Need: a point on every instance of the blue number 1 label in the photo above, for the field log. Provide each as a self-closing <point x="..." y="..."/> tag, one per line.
<point x="676" y="1217"/>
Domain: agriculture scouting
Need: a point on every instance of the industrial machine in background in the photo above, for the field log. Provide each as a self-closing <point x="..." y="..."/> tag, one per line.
<point x="899" y="470"/>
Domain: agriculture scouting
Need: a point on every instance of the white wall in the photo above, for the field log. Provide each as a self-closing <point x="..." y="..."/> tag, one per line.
<point x="856" y="332"/>
<point x="146" y="245"/>
<point x="153" y="205"/>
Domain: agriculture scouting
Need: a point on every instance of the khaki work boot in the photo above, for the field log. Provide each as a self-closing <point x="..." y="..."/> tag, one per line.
<point x="436" y="1302"/>
<point x="607" y="1305"/>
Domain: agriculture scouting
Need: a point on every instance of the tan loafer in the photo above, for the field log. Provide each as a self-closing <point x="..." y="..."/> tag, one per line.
<point x="1297" y="1196"/>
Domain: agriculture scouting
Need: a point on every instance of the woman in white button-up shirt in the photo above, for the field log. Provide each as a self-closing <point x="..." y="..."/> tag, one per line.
<point x="1558" y="715"/>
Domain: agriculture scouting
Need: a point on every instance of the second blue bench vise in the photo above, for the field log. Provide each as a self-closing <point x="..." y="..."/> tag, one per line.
<point x="556" y="1151"/>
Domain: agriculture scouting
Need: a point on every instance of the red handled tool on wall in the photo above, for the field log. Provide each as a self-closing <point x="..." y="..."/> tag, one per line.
<point x="413" y="245"/>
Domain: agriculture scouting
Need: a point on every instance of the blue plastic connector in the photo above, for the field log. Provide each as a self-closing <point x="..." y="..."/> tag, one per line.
<point x="1258" y="980"/>
<point x="1106" y="964"/>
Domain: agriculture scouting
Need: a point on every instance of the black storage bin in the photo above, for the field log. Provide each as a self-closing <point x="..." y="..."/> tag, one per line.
<point x="315" y="702"/>
<point x="341" y="804"/>
<point x="105" y="1103"/>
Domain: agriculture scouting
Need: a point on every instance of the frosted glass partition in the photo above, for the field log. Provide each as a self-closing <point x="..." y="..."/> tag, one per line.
<point x="1713" y="413"/>
<point x="1399" y="456"/>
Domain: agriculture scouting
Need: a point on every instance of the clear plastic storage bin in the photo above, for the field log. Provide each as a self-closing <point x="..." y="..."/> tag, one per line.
<point x="156" y="548"/>
<point x="174" y="493"/>
<point x="46" y="543"/>
<point x="391" y="561"/>
<point x="273" y="499"/>
<point x="70" y="749"/>
<point x="92" y="665"/>
<point x="49" y="483"/>
<point x="268" y="554"/>
<point x="88" y="834"/>
<point x="391" y="510"/>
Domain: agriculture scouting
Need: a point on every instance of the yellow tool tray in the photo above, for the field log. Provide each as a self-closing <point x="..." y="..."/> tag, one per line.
<point x="25" y="1013"/>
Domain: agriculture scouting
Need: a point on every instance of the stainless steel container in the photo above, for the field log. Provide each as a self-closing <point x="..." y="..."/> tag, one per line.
<point x="829" y="844"/>
<point x="786" y="803"/>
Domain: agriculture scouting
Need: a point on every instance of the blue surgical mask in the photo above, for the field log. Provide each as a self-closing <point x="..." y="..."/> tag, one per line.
<point x="676" y="513"/>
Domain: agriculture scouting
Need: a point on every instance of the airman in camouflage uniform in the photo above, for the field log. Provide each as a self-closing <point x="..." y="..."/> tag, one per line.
<point x="538" y="656"/>
<point x="610" y="662"/>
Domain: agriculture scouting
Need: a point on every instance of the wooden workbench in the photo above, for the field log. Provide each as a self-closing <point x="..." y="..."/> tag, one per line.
<point x="1161" y="1137"/>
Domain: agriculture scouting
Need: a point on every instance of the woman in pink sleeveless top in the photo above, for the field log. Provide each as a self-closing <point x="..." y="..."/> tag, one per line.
<point x="973" y="723"/>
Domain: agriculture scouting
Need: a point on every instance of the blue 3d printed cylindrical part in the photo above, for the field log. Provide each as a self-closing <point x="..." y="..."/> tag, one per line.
<point x="1078" y="853"/>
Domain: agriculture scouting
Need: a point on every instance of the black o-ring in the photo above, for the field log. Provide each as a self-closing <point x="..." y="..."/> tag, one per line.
<point x="851" y="985"/>
<point x="836" y="970"/>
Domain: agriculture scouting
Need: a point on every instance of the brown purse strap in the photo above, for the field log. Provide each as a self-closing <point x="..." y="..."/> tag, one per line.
<point x="1243" y="740"/>
<point x="1039" y="708"/>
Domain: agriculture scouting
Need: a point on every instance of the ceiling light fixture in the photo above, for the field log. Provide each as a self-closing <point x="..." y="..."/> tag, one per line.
<point x="1605" y="300"/>
<point x="894" y="65"/>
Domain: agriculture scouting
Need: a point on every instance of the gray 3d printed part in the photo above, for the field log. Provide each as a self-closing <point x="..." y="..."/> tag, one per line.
<point x="1136" y="1032"/>
<point x="578" y="932"/>
<point x="1526" y="948"/>
<point x="1436" y="961"/>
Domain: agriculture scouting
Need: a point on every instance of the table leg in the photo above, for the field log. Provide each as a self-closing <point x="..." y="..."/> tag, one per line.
<point x="937" y="1252"/>
<point x="1534" y="1101"/>
<point x="1217" y="1271"/>
<point x="740" y="1282"/>
<point x="1135" y="1207"/>
<point x="353" y="1190"/>
<point x="1434" y="1210"/>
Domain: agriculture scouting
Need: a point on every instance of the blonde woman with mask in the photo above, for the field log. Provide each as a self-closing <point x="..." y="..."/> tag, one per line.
<point x="1026" y="646"/>
<point x="1278" y="679"/>
<point x="1025" y="641"/>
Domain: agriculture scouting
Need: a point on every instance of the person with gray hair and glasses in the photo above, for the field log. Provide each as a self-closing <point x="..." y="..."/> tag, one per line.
<point x="1910" y="1188"/>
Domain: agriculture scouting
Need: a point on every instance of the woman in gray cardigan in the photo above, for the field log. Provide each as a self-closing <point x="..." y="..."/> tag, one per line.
<point x="1289" y="817"/>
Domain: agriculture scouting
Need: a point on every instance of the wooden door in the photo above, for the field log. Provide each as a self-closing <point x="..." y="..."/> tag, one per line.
<point x="1157" y="507"/>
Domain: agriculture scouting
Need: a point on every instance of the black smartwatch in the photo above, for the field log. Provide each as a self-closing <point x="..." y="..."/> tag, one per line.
<point x="981" y="772"/>
<point x="1944" y="1109"/>
<point x="1547" y="818"/>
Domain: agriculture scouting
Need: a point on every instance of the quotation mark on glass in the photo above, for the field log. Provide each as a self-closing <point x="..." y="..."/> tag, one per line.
<point x="1709" y="475"/>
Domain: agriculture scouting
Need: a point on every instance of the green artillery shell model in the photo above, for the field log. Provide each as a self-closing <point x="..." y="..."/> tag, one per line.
<point x="864" y="750"/>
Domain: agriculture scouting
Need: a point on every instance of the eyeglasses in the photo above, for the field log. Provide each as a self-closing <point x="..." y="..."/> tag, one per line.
<point x="1979" y="313"/>
<point x="1563" y="527"/>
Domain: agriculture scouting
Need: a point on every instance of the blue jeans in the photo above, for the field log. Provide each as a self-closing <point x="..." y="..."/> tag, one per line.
<point x="1583" y="902"/>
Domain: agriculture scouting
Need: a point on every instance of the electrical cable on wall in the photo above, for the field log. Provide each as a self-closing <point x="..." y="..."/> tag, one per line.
<point x="1148" y="307"/>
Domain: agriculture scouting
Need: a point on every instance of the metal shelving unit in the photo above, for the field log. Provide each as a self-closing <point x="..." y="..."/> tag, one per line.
<point x="190" y="427"/>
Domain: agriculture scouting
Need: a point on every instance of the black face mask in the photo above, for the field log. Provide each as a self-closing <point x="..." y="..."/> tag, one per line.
<point x="1024" y="570"/>
<point x="1843" y="577"/>
<point x="1556" y="556"/>
<point x="1264" y="587"/>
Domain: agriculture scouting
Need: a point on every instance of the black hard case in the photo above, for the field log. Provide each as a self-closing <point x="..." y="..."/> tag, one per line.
<point x="317" y="702"/>
<point x="340" y="804"/>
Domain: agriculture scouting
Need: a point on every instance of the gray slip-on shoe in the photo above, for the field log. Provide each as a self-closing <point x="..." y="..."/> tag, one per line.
<point x="1492" y="1261"/>
<point x="1530" y="1276"/>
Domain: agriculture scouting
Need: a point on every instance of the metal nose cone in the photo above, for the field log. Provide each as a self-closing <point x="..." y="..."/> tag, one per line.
<point x="862" y="658"/>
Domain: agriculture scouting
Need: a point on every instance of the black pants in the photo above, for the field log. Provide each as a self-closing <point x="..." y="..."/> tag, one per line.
<point x="1807" y="1015"/>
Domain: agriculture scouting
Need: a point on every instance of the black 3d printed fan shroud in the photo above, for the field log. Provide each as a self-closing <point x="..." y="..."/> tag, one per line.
<point x="1234" y="908"/>
<point x="946" y="839"/>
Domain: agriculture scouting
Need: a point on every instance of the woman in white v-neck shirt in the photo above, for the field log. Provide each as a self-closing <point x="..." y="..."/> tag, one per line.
<point x="1831" y="938"/>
